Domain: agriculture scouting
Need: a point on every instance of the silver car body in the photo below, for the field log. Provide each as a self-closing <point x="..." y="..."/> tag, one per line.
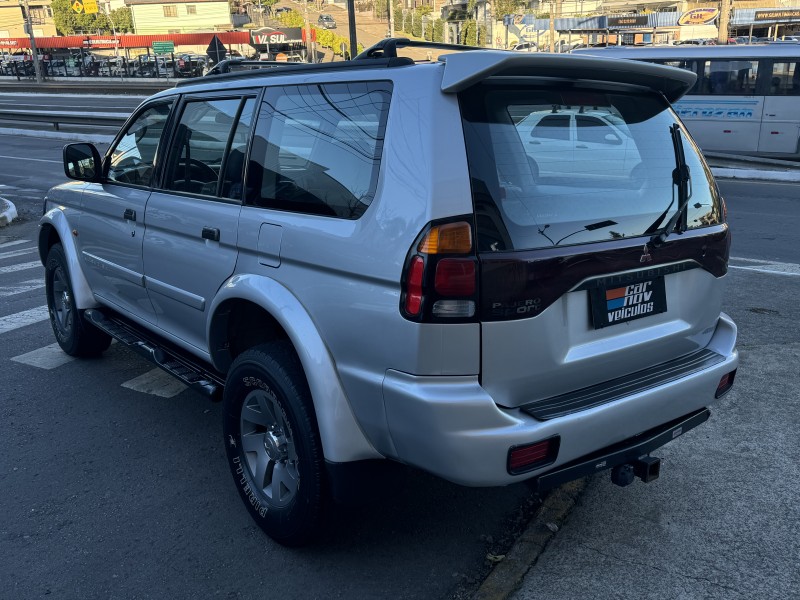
<point x="445" y="397"/>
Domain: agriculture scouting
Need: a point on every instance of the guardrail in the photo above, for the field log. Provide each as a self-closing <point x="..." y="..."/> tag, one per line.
<point x="57" y="119"/>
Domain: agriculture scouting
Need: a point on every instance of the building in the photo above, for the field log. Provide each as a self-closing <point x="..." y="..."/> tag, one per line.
<point x="179" y="16"/>
<point x="12" y="19"/>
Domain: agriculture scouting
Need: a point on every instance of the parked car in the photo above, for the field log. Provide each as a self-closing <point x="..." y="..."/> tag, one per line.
<point x="525" y="47"/>
<point x="356" y="288"/>
<point x="326" y="21"/>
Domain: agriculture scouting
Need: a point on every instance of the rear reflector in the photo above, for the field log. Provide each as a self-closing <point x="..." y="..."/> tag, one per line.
<point x="725" y="384"/>
<point x="533" y="456"/>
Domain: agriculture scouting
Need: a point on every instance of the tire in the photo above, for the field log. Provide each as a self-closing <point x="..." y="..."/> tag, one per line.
<point x="75" y="336"/>
<point x="273" y="444"/>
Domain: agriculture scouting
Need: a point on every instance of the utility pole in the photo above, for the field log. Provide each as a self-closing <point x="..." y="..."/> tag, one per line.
<point x="552" y="28"/>
<point x="391" y="17"/>
<point x="351" y="24"/>
<point x="724" y="20"/>
<point x="36" y="66"/>
<point x="309" y="51"/>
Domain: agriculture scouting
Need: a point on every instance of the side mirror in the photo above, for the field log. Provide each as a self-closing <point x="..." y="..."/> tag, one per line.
<point x="613" y="139"/>
<point x="82" y="162"/>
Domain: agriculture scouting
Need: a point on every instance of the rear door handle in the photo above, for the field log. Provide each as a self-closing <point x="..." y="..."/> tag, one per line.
<point x="130" y="214"/>
<point x="211" y="233"/>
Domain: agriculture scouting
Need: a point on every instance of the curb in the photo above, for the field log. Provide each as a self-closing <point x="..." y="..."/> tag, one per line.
<point x="756" y="174"/>
<point x="8" y="212"/>
<point x="509" y="574"/>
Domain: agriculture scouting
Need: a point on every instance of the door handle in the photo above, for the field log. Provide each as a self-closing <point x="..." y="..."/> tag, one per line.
<point x="581" y="146"/>
<point x="211" y="233"/>
<point x="130" y="214"/>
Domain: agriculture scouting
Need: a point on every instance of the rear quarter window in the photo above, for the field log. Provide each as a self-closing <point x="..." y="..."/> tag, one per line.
<point x="317" y="148"/>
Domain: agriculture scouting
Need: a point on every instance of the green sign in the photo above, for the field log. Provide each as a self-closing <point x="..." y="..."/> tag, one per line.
<point x="163" y="47"/>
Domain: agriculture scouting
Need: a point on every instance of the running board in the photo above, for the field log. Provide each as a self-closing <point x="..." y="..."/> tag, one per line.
<point x="181" y="365"/>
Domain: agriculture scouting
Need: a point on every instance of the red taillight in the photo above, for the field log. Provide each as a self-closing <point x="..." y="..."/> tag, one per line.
<point x="532" y="456"/>
<point x="725" y="384"/>
<point x="414" y="286"/>
<point x="440" y="275"/>
<point x="455" y="277"/>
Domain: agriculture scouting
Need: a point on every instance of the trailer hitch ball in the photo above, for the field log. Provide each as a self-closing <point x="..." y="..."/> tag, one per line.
<point x="622" y="475"/>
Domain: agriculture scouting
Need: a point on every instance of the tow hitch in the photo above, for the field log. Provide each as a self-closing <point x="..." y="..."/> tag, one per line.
<point x="646" y="468"/>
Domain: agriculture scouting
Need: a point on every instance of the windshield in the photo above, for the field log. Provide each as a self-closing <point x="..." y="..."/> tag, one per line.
<point x="561" y="167"/>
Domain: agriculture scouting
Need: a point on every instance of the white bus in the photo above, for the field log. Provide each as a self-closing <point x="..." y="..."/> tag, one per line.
<point x="746" y="99"/>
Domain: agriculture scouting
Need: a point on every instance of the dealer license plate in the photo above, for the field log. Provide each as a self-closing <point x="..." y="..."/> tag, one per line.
<point x="612" y="303"/>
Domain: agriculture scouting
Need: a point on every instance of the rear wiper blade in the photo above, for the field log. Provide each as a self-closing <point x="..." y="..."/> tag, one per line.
<point x="681" y="178"/>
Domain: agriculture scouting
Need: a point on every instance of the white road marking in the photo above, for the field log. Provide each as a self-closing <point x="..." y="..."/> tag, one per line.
<point x="15" y="242"/>
<point x="20" y="288"/>
<point x="27" y="158"/>
<point x="767" y="266"/>
<point x="14" y="253"/>
<point x="21" y="267"/>
<point x="23" y="319"/>
<point x="156" y="382"/>
<point x="49" y="357"/>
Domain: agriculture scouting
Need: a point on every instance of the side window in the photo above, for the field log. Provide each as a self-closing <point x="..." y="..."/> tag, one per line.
<point x="730" y="77"/>
<point x="688" y="65"/>
<point x="594" y="131"/>
<point x="201" y="147"/>
<point x="317" y="148"/>
<point x="133" y="159"/>
<point x="785" y="80"/>
<point x="554" y="127"/>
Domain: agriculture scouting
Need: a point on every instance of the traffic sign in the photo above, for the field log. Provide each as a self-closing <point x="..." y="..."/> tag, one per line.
<point x="87" y="7"/>
<point x="163" y="47"/>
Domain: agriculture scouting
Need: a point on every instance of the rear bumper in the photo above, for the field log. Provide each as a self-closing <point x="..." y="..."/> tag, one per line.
<point x="623" y="453"/>
<point x="451" y="427"/>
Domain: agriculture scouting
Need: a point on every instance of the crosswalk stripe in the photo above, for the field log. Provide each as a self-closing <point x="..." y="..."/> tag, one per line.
<point x="156" y="382"/>
<point x="14" y="253"/>
<point x="49" y="357"/>
<point x="770" y="267"/>
<point x="20" y="267"/>
<point x="14" y="243"/>
<point x="25" y="286"/>
<point x="23" y="319"/>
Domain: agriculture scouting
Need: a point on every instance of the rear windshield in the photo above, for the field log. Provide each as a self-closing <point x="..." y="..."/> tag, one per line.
<point x="555" y="168"/>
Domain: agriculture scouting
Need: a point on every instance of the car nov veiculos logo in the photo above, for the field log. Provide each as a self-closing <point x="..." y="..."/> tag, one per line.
<point x="699" y="16"/>
<point x="629" y="301"/>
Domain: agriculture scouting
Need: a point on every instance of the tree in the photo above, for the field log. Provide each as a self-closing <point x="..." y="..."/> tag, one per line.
<point x="68" y="22"/>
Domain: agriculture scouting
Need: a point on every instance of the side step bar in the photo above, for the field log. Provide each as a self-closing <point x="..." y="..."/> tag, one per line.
<point x="181" y="365"/>
<point x="631" y="451"/>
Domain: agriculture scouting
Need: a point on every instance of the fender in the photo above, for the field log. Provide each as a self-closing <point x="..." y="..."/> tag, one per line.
<point x="55" y="218"/>
<point x="342" y="437"/>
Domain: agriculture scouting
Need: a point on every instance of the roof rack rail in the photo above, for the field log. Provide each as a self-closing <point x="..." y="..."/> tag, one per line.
<point x="387" y="48"/>
<point x="298" y="68"/>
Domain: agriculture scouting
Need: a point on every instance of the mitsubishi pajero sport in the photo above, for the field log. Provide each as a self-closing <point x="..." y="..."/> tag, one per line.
<point x="375" y="259"/>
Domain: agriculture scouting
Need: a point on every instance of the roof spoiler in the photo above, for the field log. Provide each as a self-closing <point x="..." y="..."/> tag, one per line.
<point x="464" y="70"/>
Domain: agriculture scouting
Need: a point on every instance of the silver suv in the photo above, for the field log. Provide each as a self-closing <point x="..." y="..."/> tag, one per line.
<point x="439" y="263"/>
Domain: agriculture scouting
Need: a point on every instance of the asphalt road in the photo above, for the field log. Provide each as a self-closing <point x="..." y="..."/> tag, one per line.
<point x="114" y="483"/>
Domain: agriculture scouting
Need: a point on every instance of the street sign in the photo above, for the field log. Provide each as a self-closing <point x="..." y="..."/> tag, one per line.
<point x="163" y="47"/>
<point x="87" y="7"/>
